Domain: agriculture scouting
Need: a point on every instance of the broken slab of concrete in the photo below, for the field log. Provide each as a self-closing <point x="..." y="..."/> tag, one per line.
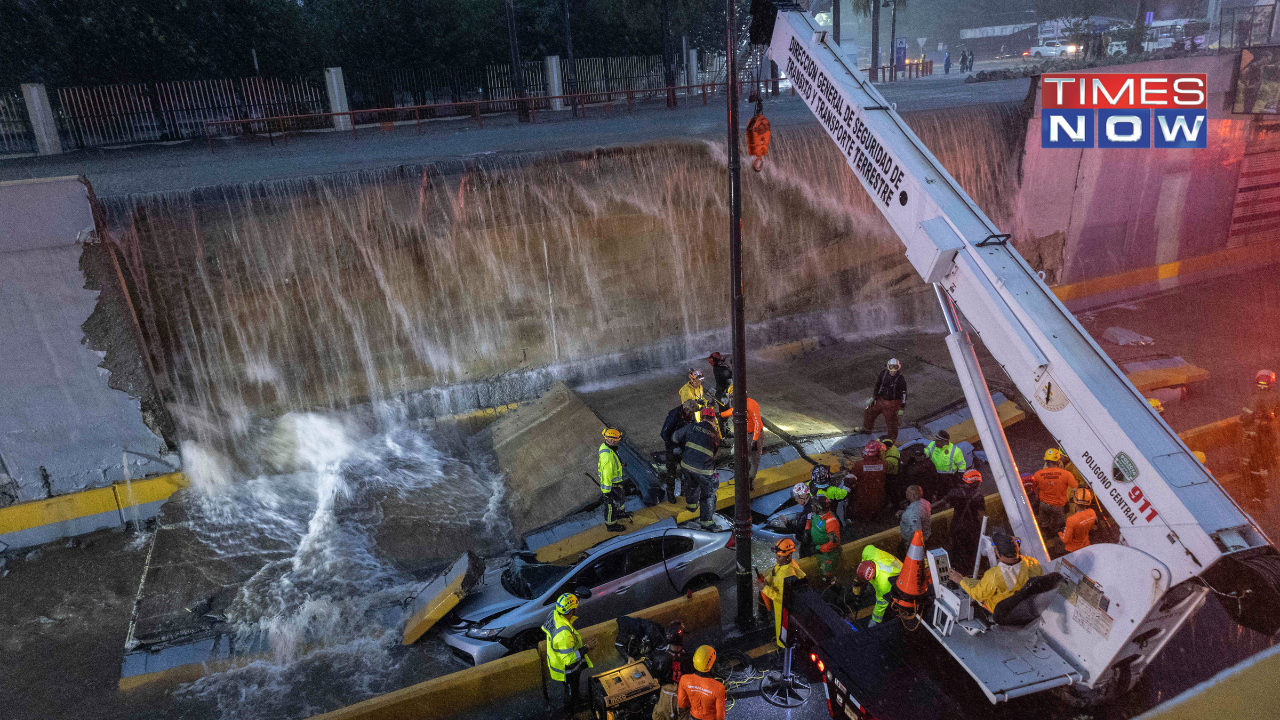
<point x="546" y="448"/>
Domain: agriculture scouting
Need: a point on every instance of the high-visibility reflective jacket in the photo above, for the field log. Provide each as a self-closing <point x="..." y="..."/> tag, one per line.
<point x="774" y="579"/>
<point x="1054" y="485"/>
<point x="991" y="589"/>
<point x="610" y="468"/>
<point x="946" y="458"/>
<point x="689" y="392"/>
<point x="892" y="460"/>
<point x="699" y="442"/>
<point x="887" y="566"/>
<point x="825" y="532"/>
<point x="1076" y="535"/>
<point x="564" y="646"/>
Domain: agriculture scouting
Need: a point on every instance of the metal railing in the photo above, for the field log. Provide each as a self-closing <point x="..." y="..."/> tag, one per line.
<point x="16" y="135"/>
<point x="890" y="73"/>
<point x="577" y="104"/>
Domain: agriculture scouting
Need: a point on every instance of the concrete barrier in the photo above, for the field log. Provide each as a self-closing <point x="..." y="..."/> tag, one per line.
<point x="457" y="693"/>
<point x="42" y="521"/>
<point x="1245" y="691"/>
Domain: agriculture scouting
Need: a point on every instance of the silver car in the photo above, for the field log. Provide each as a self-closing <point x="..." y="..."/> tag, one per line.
<point x="505" y="611"/>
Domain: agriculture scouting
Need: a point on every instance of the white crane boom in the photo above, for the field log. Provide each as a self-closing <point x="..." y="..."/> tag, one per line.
<point x="1169" y="508"/>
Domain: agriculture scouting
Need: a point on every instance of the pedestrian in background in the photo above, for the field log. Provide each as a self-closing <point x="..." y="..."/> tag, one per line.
<point x="946" y="63"/>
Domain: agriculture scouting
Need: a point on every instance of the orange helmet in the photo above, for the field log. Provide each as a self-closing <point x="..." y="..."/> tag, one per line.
<point x="867" y="570"/>
<point x="1265" y="378"/>
<point x="873" y="449"/>
<point x="973" y="477"/>
<point x="785" y="546"/>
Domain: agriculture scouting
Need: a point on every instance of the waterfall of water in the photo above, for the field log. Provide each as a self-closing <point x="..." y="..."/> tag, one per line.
<point x="308" y="326"/>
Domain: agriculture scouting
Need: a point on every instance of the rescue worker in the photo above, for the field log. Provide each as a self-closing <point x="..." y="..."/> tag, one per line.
<point x="1033" y="495"/>
<point x="784" y="567"/>
<point x="796" y="523"/>
<point x="698" y="445"/>
<point x="755" y="426"/>
<point x="888" y="398"/>
<point x="1003" y="583"/>
<point x="948" y="463"/>
<point x="693" y="390"/>
<point x="611" y="480"/>
<point x="723" y="377"/>
<point x="820" y="486"/>
<point x="667" y="668"/>
<point x="679" y="416"/>
<point x="868" y="476"/>
<point x="1076" y="533"/>
<point x="1156" y="405"/>
<point x="1203" y="460"/>
<point x="895" y="480"/>
<point x="566" y="653"/>
<point x="1258" y="432"/>
<point x="877" y="570"/>
<point x="702" y="694"/>
<point x="824" y="529"/>
<point x="969" y="507"/>
<point x="917" y="516"/>
<point x="1055" y="486"/>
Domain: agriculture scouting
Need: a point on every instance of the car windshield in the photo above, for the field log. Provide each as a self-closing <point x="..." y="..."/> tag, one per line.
<point x="527" y="580"/>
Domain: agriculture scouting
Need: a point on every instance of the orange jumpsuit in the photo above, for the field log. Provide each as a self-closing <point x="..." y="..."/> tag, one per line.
<point x="1076" y="535"/>
<point x="702" y="695"/>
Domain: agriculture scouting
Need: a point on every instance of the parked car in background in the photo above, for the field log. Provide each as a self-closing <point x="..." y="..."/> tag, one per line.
<point x="505" y="611"/>
<point x="1052" y="48"/>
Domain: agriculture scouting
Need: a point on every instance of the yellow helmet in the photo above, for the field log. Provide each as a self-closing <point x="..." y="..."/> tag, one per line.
<point x="1053" y="455"/>
<point x="1159" y="407"/>
<point x="1199" y="456"/>
<point x="704" y="658"/>
<point x="567" y="604"/>
<point x="611" y="433"/>
<point x="729" y="389"/>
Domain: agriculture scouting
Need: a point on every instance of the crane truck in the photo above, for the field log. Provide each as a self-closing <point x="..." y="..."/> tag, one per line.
<point x="1182" y="538"/>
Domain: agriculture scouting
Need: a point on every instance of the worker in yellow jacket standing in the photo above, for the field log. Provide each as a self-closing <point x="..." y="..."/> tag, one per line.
<point x="566" y="653"/>
<point x="784" y="567"/>
<point x="610" y="467"/>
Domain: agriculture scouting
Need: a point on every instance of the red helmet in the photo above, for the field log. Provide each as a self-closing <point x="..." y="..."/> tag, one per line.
<point x="1265" y="378"/>
<point x="867" y="570"/>
<point x="873" y="449"/>
<point x="973" y="477"/>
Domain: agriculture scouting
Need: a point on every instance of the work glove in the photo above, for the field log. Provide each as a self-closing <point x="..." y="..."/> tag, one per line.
<point x="901" y="411"/>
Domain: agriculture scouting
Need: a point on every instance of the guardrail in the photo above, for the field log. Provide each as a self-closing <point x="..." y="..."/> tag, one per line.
<point x="576" y="103"/>
<point x="890" y="73"/>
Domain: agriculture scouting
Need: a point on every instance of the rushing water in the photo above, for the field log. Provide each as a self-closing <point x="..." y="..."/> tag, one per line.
<point x="307" y="330"/>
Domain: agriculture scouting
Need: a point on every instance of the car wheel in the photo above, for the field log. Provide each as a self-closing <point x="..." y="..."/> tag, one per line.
<point x="702" y="582"/>
<point x="1039" y="55"/>
<point x="527" y="640"/>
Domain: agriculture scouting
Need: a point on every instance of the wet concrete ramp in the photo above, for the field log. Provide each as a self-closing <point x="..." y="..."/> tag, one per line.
<point x="545" y="448"/>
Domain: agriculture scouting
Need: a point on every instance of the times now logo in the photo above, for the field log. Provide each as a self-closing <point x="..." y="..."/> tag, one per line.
<point x="1124" y="110"/>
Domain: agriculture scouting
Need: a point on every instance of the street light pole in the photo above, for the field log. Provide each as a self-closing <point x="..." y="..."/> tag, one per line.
<point x="741" y="466"/>
<point x="517" y="72"/>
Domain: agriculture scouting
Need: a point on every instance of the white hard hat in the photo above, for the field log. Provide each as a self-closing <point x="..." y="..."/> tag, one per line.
<point x="893" y="362"/>
<point x="800" y="490"/>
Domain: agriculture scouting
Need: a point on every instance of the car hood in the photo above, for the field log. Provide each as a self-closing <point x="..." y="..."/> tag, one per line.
<point x="488" y="599"/>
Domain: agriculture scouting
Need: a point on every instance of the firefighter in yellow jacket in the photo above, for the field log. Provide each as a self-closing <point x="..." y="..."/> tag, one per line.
<point x="566" y="653"/>
<point x="784" y="567"/>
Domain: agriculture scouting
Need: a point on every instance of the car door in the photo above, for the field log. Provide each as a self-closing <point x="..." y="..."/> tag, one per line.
<point x="596" y="576"/>
<point x="677" y="553"/>
<point x="645" y="582"/>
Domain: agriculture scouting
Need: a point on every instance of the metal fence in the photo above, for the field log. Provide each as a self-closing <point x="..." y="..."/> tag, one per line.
<point x="149" y="112"/>
<point x="16" y="136"/>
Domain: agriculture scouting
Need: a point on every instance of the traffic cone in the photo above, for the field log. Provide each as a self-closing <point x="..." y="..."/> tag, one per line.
<point x="913" y="581"/>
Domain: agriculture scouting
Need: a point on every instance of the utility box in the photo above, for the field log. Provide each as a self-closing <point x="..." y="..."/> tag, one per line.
<point x="933" y="260"/>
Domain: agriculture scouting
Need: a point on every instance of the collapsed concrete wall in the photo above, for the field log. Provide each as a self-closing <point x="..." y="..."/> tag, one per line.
<point x="1132" y="209"/>
<point x="62" y="427"/>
